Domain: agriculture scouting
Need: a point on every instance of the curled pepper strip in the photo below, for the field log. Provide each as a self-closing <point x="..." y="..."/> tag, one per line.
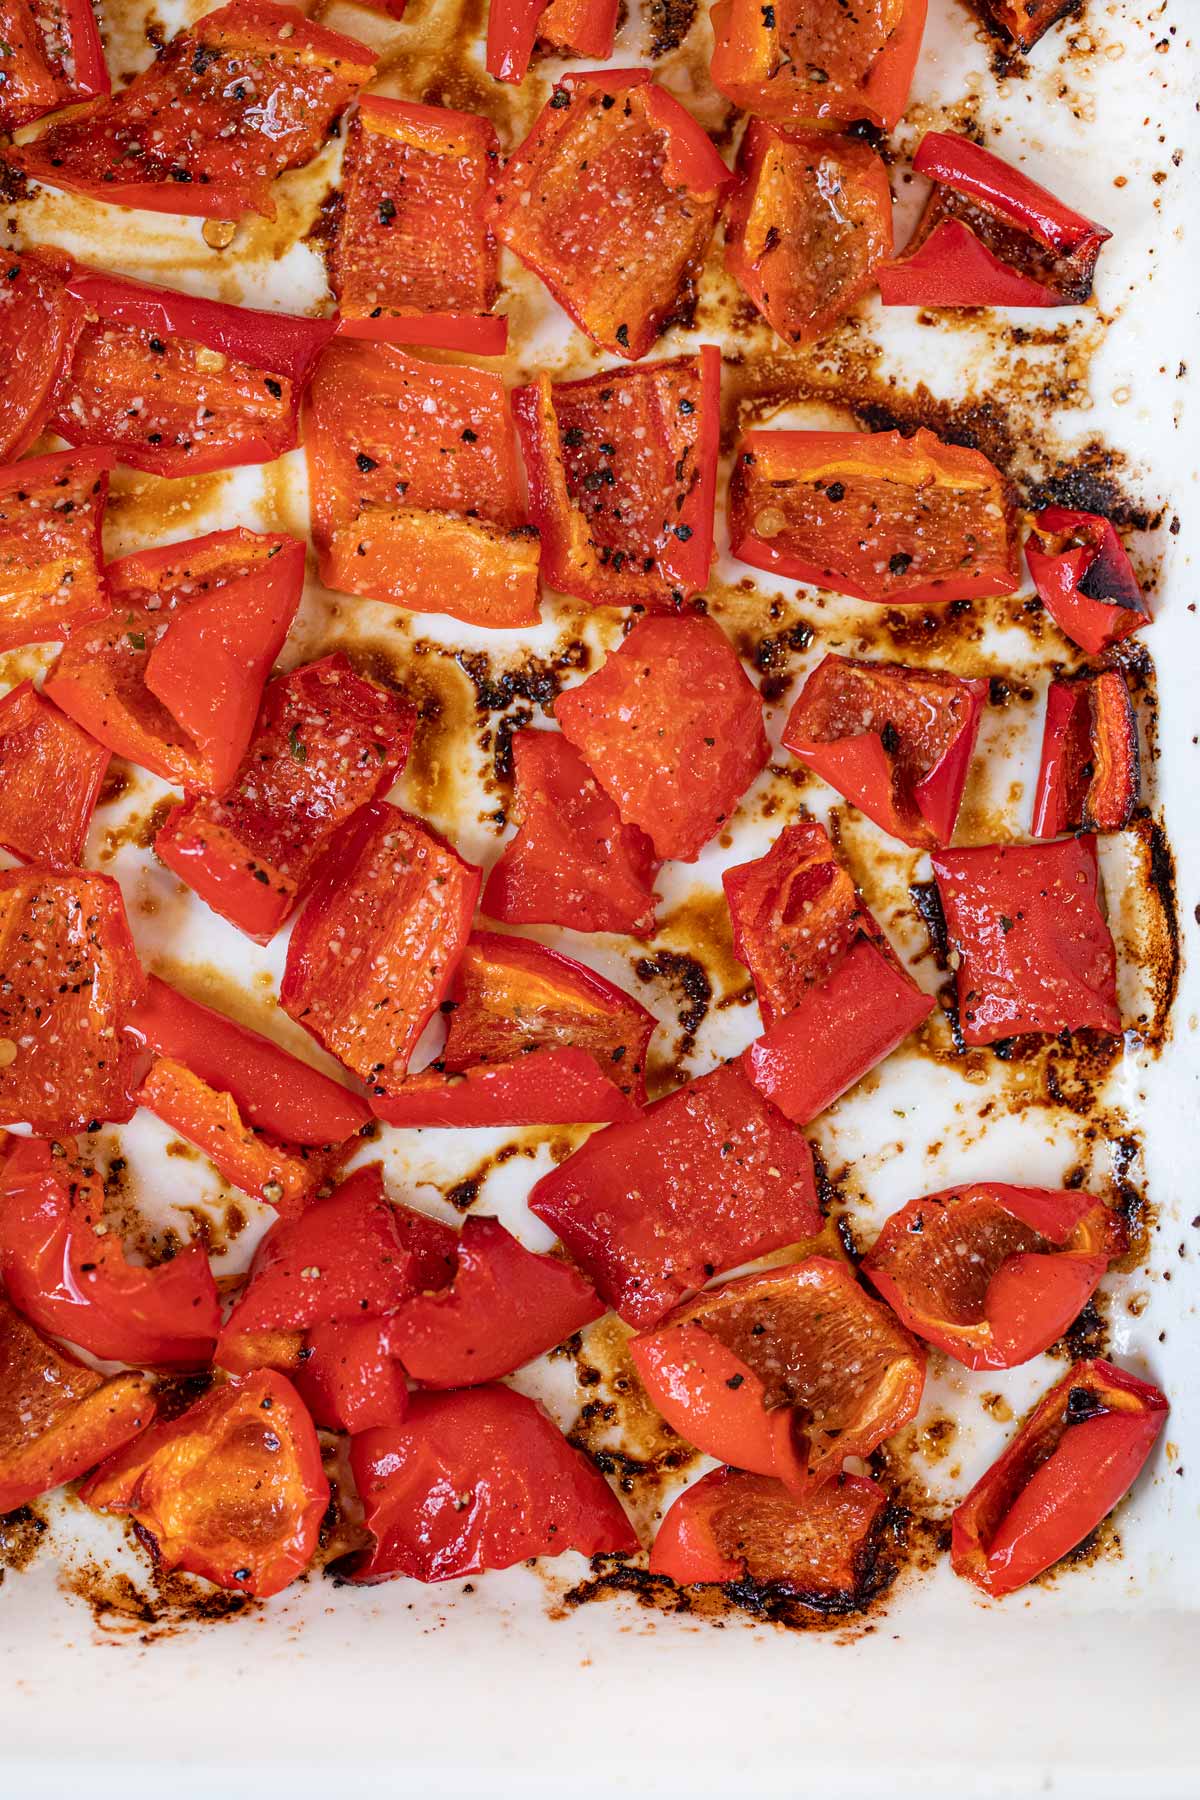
<point x="1084" y="578"/>
<point x="808" y="63"/>
<point x="1090" y="774"/>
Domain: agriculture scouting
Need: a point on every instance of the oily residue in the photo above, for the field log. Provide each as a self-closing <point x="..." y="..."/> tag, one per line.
<point x="688" y="983"/>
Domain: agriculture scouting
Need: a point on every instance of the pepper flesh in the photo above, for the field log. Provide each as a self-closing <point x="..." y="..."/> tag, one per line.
<point x="874" y="515"/>
<point x="1084" y="578"/>
<point x="40" y="322"/>
<point x="209" y="1118"/>
<point x="991" y="1273"/>
<point x="809" y="63"/>
<point x="585" y="27"/>
<point x="51" y="561"/>
<point x="51" y="773"/>
<point x="1090" y="777"/>
<point x="53" y="58"/>
<point x="1026" y="21"/>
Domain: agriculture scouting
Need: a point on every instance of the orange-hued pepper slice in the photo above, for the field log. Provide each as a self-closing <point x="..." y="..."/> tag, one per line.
<point x="53" y="57"/>
<point x="994" y="1274"/>
<point x="814" y="63"/>
<point x="785" y="1373"/>
<point x="40" y="322"/>
<point x="57" y="1416"/>
<point x="807" y="226"/>
<point x="1026" y="21"/>
<point x="51" y="562"/>
<point x="416" y="494"/>
<point x="873" y="514"/>
<point x="172" y="679"/>
<point x="327" y="741"/>
<point x="1090" y="773"/>
<point x="51" y="773"/>
<point x="209" y="1119"/>
<point x="585" y="27"/>
<point x="232" y="101"/>
<point x="233" y="1489"/>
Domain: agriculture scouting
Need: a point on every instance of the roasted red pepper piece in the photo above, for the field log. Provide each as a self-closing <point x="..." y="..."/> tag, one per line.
<point x="327" y="742"/>
<point x="40" y="320"/>
<point x="50" y="778"/>
<point x="611" y="201"/>
<point x="671" y="726"/>
<point x="73" y="1280"/>
<point x="478" y="1480"/>
<point x="348" y="1377"/>
<point x="412" y="260"/>
<point x="1026" y="21"/>
<point x="795" y="914"/>
<point x="1034" y="951"/>
<point x="994" y="1274"/>
<point x="585" y="27"/>
<point x="819" y="1548"/>
<point x="416" y="487"/>
<point x="274" y="1091"/>
<point x="839" y="1030"/>
<point x="812" y="63"/>
<point x="707" y="1178"/>
<point x="70" y="977"/>
<point x="504" y="1306"/>
<point x="372" y="955"/>
<point x="622" y="473"/>
<point x="233" y="1489"/>
<point x="173" y="678"/>
<point x="534" y="1039"/>
<point x="176" y="385"/>
<point x="873" y="514"/>
<point x="1076" y="1455"/>
<point x="246" y="92"/>
<point x="785" y="1373"/>
<point x="572" y="861"/>
<point x="53" y="57"/>
<point x="51" y="562"/>
<point x="807" y="227"/>
<point x="209" y="1118"/>
<point x="1084" y="578"/>
<point x="57" y="1416"/>
<point x="894" y="741"/>
<point x="989" y="236"/>
<point x="1090" y="774"/>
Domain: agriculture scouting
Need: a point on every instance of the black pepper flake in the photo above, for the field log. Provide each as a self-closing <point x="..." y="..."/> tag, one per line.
<point x="274" y="388"/>
<point x="365" y="463"/>
<point x="622" y="336"/>
<point x="387" y="210"/>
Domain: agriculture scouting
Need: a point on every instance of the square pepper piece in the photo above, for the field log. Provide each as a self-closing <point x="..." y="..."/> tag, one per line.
<point x="70" y="979"/>
<point x="416" y="489"/>
<point x="50" y="777"/>
<point x="807" y="226"/>
<point x="1035" y="954"/>
<point x="1084" y="578"/>
<point x="373" y="954"/>
<point x="813" y="62"/>
<point x="327" y="742"/>
<point x="1090" y="773"/>
<point x="612" y="200"/>
<point x="671" y="725"/>
<point x="622" y="472"/>
<point x="51" y="559"/>
<point x="412" y="260"/>
<point x="40" y="323"/>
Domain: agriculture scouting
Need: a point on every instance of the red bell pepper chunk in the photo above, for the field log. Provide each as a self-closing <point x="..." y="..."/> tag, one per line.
<point x="622" y="471"/>
<point x="478" y="1480"/>
<point x="246" y="92"/>
<point x="584" y="27"/>
<point x="795" y="914"/>
<point x="785" y="1373"/>
<point x="1084" y="578"/>
<point x="1076" y="1455"/>
<point x="411" y="259"/>
<point x="372" y="955"/>
<point x="274" y="1091"/>
<point x="50" y="778"/>
<point x="572" y="861"/>
<point x="233" y="1489"/>
<point x="416" y="487"/>
<point x="348" y="1377"/>
<point x="1034" y="951"/>
<point x="73" y="1280"/>
<point x="709" y="1177"/>
<point x="53" y="58"/>
<point x="894" y="741"/>
<point x="611" y="201"/>
<point x="841" y="1028"/>
<point x="994" y="1274"/>
<point x="810" y="63"/>
<point x="989" y="236"/>
<point x="671" y="726"/>
<point x="878" y="516"/>
<point x="1090" y="774"/>
<point x="1026" y="21"/>
<point x="51" y="562"/>
<point x="177" y="385"/>
<point x="172" y="679"/>
<point x="534" y="1039"/>
<point x="819" y="1548"/>
<point x="40" y="321"/>
<point x="57" y="1416"/>
<point x="70" y="977"/>
<point x="327" y="742"/>
<point x="504" y="1307"/>
<point x="807" y="227"/>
